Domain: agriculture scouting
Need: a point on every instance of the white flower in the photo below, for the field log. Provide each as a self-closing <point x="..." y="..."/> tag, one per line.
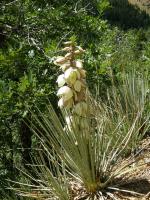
<point x="77" y="86"/>
<point x="65" y="92"/>
<point x="71" y="75"/>
<point x="79" y="64"/>
<point x="61" y="80"/>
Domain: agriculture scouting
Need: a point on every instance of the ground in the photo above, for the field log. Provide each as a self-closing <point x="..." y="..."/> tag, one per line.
<point x="142" y="4"/>
<point x="138" y="180"/>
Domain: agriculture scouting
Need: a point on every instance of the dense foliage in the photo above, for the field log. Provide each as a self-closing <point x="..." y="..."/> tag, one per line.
<point x="115" y="35"/>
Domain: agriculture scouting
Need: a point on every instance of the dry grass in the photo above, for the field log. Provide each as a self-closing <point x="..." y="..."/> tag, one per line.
<point x="142" y="4"/>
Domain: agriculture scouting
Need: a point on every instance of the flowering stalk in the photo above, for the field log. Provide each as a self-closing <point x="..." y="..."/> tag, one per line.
<point x="72" y="85"/>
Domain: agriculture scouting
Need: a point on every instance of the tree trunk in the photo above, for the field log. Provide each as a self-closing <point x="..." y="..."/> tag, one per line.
<point x="26" y="142"/>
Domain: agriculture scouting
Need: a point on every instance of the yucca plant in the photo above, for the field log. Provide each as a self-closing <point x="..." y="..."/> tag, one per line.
<point x="81" y="156"/>
<point x="76" y="164"/>
<point x="125" y="100"/>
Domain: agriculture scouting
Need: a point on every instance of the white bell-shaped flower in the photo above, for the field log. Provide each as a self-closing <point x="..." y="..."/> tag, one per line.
<point x="61" y="80"/>
<point x="77" y="85"/>
<point x="65" y="92"/>
<point x="70" y="75"/>
<point x="79" y="64"/>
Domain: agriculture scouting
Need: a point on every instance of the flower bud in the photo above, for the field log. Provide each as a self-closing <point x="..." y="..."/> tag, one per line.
<point x="77" y="52"/>
<point x="68" y="55"/>
<point x="66" y="49"/>
<point x="77" y="86"/>
<point x="68" y="43"/>
<point x="83" y="73"/>
<point x="80" y="49"/>
<point x="60" y="60"/>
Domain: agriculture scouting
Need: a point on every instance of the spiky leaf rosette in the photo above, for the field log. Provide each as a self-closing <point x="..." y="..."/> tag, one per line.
<point x="75" y="164"/>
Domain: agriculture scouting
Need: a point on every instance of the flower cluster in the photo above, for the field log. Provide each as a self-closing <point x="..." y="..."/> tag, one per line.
<point x="72" y="84"/>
